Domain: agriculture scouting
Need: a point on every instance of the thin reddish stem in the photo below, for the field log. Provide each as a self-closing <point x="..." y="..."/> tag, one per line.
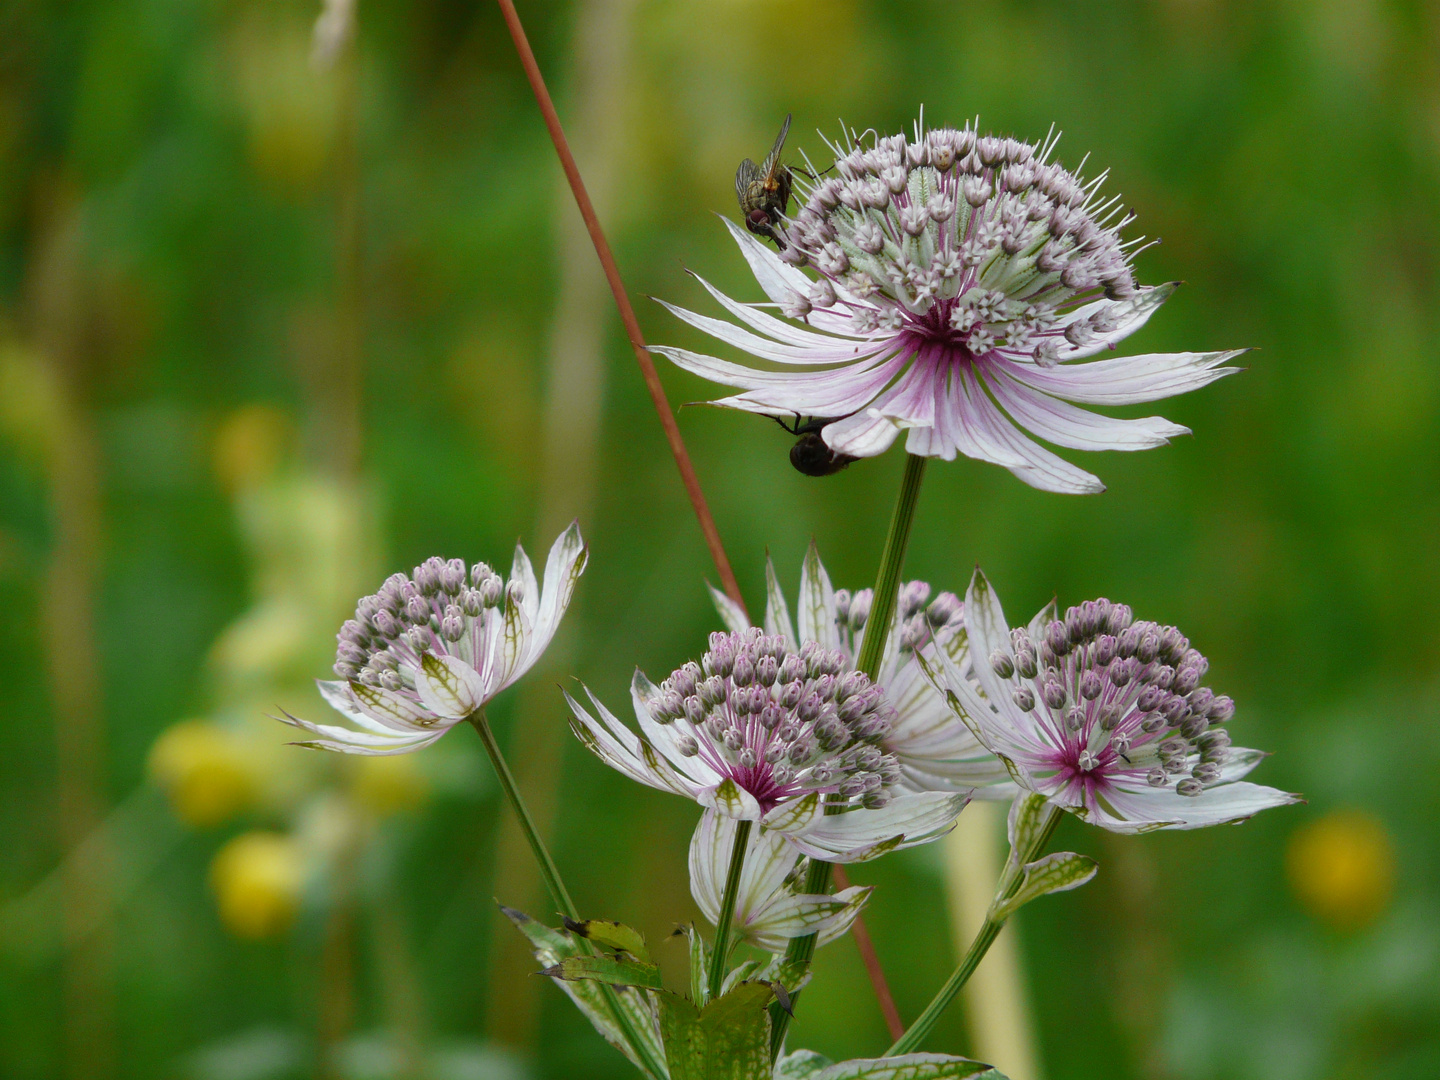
<point x="667" y="416"/>
<point x="871" y="960"/>
<point x="622" y="301"/>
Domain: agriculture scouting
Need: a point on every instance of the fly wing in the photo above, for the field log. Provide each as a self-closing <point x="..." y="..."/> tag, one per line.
<point x="745" y="175"/>
<point x="773" y="159"/>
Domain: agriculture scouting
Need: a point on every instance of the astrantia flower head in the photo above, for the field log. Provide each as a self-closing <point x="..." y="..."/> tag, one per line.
<point x="934" y="750"/>
<point x="1105" y="717"/>
<point x="770" y="907"/>
<point x="955" y="278"/>
<point x="426" y="652"/>
<point x="764" y="732"/>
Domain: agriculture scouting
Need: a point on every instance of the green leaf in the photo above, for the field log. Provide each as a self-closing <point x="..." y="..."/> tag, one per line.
<point x="729" y="1039"/>
<point x="746" y="971"/>
<point x="1059" y="872"/>
<point x="607" y="969"/>
<point x="910" y="1067"/>
<point x="699" y="966"/>
<point x="553" y="947"/>
<point x="617" y="937"/>
<point x="791" y="974"/>
<point x="1028" y="815"/>
<point x="801" y="1065"/>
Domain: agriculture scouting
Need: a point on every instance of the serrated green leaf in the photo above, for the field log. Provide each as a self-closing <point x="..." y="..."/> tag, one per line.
<point x="729" y="1039"/>
<point x="801" y="1065"/>
<point x="910" y="1067"/>
<point x="1059" y="872"/>
<point x="617" y="937"/>
<point x="607" y="969"/>
<point x="553" y="947"/>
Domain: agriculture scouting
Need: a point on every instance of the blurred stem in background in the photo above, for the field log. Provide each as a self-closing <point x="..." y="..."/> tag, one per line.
<point x="570" y="431"/>
<point x="1144" y="977"/>
<point x="336" y="1013"/>
<point x="58" y="323"/>
<point x="402" y="998"/>
<point x="996" y="1004"/>
<point x="334" y="375"/>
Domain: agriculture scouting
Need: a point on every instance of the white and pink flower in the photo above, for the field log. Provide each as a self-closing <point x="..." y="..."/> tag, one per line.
<point x="424" y="653"/>
<point x="1105" y="717"/>
<point x="957" y="279"/>
<point x="934" y="750"/>
<point x="785" y="737"/>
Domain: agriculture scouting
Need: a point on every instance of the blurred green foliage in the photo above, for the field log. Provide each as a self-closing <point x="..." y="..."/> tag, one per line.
<point x="169" y="179"/>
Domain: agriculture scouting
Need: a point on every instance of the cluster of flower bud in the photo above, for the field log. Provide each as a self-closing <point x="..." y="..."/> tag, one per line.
<point x="781" y="723"/>
<point x="434" y="611"/>
<point x="918" y="621"/>
<point x="976" y="239"/>
<point x="1123" y="694"/>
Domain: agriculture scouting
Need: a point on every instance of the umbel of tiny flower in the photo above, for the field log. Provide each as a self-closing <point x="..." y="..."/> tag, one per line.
<point x="425" y="652"/>
<point x="957" y="278"/>
<point x="789" y="738"/>
<point x="935" y="751"/>
<point x="770" y="907"/>
<point x="1105" y="717"/>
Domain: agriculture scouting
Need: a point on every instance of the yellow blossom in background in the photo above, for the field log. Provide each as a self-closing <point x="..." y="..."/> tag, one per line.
<point x="289" y="109"/>
<point x="1342" y="868"/>
<point x="388" y="785"/>
<point x="250" y="445"/>
<point x="205" y="770"/>
<point x="257" y="879"/>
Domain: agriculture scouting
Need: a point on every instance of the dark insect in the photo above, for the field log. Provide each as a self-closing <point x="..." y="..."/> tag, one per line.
<point x="810" y="455"/>
<point x="764" y="190"/>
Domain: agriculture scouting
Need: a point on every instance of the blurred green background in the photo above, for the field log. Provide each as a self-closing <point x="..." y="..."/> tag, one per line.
<point x="274" y="325"/>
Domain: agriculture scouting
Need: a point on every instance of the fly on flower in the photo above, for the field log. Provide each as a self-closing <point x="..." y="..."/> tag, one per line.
<point x="764" y="190"/>
<point x="810" y="455"/>
<point x="957" y="279"/>
<point x="425" y="653"/>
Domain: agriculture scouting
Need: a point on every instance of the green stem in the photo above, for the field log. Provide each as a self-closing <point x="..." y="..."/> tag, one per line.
<point x="989" y="931"/>
<point x="892" y="560"/>
<point x="548" y="870"/>
<point x="558" y="893"/>
<point x="727" y="908"/>
<point x="872" y="650"/>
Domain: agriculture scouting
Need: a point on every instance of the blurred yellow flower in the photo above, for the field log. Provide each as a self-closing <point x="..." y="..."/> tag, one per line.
<point x="1342" y="868"/>
<point x="386" y="785"/>
<point x="204" y="769"/>
<point x="257" y="878"/>
<point x="250" y="445"/>
<point x="290" y="110"/>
